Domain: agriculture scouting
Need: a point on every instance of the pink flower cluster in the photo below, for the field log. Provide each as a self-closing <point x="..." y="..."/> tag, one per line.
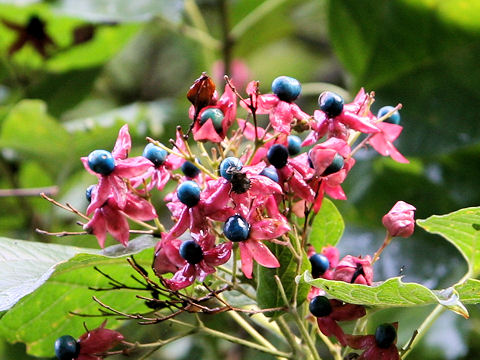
<point x="268" y="186"/>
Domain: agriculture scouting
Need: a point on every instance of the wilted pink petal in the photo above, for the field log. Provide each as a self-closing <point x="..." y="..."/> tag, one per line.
<point x="99" y="340"/>
<point x="117" y="225"/>
<point x="354" y="270"/>
<point x="97" y="227"/>
<point x="400" y="220"/>
<point x="218" y="255"/>
<point x="182" y="278"/>
<point x="139" y="208"/>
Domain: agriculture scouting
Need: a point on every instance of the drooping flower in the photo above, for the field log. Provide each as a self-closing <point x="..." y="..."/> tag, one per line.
<point x="354" y="270"/>
<point x="111" y="181"/>
<point x="381" y="346"/>
<point x="190" y="259"/>
<point x="281" y="113"/>
<point x="400" y="220"/>
<point x="110" y="218"/>
<point x="329" y="311"/>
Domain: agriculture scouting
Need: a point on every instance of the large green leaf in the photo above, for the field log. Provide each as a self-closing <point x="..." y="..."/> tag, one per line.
<point x="44" y="315"/>
<point x="431" y="69"/>
<point x="462" y="229"/>
<point x="328" y="226"/>
<point x="390" y="293"/>
<point x="268" y="293"/>
<point x="26" y="265"/>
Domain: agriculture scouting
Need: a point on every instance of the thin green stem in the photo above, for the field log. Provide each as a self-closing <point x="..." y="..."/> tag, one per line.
<point x="305" y="335"/>
<point x="429" y="320"/>
<point x="254" y="17"/>
<point x="289" y="336"/>
<point x="388" y="239"/>
<point x="251" y="330"/>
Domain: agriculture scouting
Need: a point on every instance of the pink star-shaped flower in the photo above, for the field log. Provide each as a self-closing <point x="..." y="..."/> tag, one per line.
<point x="383" y="141"/>
<point x="114" y="184"/>
<point x="168" y="258"/>
<point x="281" y="113"/>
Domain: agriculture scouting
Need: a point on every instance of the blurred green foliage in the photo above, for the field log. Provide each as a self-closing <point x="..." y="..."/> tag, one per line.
<point x="132" y="61"/>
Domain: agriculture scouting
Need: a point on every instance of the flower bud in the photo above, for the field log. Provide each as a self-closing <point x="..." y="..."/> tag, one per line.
<point x="400" y="220"/>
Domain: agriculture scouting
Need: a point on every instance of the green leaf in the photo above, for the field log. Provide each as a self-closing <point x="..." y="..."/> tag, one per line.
<point x="30" y="131"/>
<point x="328" y="226"/>
<point x="390" y="293"/>
<point x="26" y="265"/>
<point x="432" y="70"/>
<point x="44" y="315"/>
<point x="469" y="291"/>
<point x="462" y="229"/>
<point x="268" y="293"/>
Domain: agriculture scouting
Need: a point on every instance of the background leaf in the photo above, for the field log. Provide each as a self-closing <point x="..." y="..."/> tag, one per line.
<point x="430" y="68"/>
<point x="328" y="226"/>
<point x="461" y="228"/>
<point x="268" y="294"/>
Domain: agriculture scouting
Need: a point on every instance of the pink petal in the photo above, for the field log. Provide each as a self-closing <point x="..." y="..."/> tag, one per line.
<point x="207" y="132"/>
<point x="297" y="113"/>
<point x="99" y="340"/>
<point x="123" y="144"/>
<point x="97" y="227"/>
<point x="181" y="225"/>
<point x="117" y="225"/>
<point x="359" y="123"/>
<point x="172" y="251"/>
<point x="268" y="229"/>
<point x="85" y="165"/>
<point x="132" y="167"/>
<point x="261" y="253"/>
<point x="139" y="208"/>
<point x="100" y="194"/>
<point x="281" y="117"/>
<point x="162" y="264"/>
<point x="329" y="327"/>
<point x="246" y="260"/>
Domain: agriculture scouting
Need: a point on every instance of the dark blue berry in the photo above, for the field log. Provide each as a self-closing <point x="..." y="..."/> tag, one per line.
<point x="385" y="335"/>
<point x="216" y="115"/>
<point x="320" y="306"/>
<point x="330" y="103"/>
<point x="294" y="145"/>
<point x="155" y="154"/>
<point x="229" y="166"/>
<point x="320" y="264"/>
<point x="101" y="162"/>
<point x="189" y="169"/>
<point x="188" y="193"/>
<point x="88" y="192"/>
<point x="271" y="173"/>
<point x="393" y="119"/>
<point x="286" y="88"/>
<point x="336" y="165"/>
<point x="191" y="251"/>
<point x="278" y="155"/>
<point x="236" y="228"/>
<point x="66" y="348"/>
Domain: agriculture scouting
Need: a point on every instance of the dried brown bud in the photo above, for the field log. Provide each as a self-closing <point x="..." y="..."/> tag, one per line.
<point x="202" y="92"/>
